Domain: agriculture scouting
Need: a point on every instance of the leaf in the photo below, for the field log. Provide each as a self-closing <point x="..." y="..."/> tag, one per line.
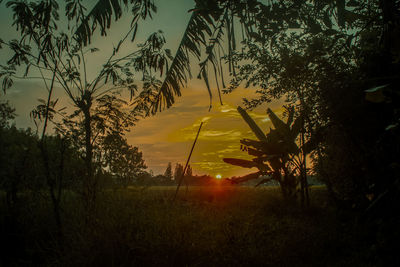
<point x="349" y="40"/>
<point x="7" y="83"/>
<point x="240" y="162"/>
<point x="276" y="164"/>
<point x="194" y="37"/>
<point x="290" y="115"/>
<point x="101" y="15"/>
<point x="340" y="7"/>
<point x="377" y="88"/>
<point x="375" y="94"/>
<point x="263" y="181"/>
<point x="252" y="124"/>
<point x="392" y="126"/>
<point x="27" y="70"/>
<point x="134" y="33"/>
<point x="203" y="74"/>
<point x="353" y="3"/>
<point x="245" y="178"/>
<point x="267" y="147"/>
<point x="279" y="125"/>
<point x="330" y="32"/>
<point x="254" y="152"/>
<point x="327" y="20"/>
<point x="296" y="128"/>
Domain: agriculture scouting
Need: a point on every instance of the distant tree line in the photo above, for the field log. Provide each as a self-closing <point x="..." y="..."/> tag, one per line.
<point x="22" y="164"/>
<point x="171" y="178"/>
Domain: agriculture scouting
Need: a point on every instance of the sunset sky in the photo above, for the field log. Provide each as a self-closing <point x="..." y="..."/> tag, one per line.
<point x="168" y="136"/>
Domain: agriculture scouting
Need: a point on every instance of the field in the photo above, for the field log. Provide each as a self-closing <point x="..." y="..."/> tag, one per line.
<point x="210" y="226"/>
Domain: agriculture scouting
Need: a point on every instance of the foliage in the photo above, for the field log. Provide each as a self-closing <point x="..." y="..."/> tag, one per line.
<point x="213" y="22"/>
<point x="189" y="171"/>
<point x="22" y="164"/>
<point x="276" y="153"/>
<point x="59" y="57"/>
<point x="328" y="68"/>
<point x="123" y="161"/>
<point x="168" y="172"/>
<point x="18" y="165"/>
<point x="178" y="171"/>
<point x="212" y="225"/>
<point x="7" y="113"/>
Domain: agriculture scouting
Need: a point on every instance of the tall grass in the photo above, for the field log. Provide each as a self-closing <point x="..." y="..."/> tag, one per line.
<point x="207" y="226"/>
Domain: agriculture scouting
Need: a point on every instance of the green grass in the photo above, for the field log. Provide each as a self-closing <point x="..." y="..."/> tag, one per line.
<point x="210" y="226"/>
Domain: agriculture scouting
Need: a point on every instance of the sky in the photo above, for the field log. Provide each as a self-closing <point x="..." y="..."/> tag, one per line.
<point x="167" y="136"/>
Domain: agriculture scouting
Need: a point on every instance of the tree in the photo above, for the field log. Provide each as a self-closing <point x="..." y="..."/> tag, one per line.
<point x="60" y="59"/>
<point x="7" y="113"/>
<point x="276" y="153"/>
<point x="124" y="161"/>
<point x="212" y="23"/>
<point x="325" y="71"/>
<point x="178" y="172"/>
<point x="168" y="172"/>
<point x="189" y="172"/>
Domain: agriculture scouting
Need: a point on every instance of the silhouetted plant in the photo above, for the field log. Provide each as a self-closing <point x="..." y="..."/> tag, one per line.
<point x="60" y="58"/>
<point x="123" y="161"/>
<point x="276" y="153"/>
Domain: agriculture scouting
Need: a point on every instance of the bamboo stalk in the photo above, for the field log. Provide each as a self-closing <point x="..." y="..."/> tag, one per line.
<point x="187" y="161"/>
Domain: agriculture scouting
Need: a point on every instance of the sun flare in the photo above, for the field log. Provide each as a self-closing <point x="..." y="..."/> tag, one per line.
<point x="218" y="176"/>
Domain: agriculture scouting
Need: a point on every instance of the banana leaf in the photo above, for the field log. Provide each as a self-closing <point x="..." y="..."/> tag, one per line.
<point x="255" y="152"/>
<point x="245" y="178"/>
<point x="276" y="164"/>
<point x="241" y="162"/>
<point x="290" y="115"/>
<point x="267" y="148"/>
<point x="285" y="142"/>
<point x="314" y="141"/>
<point x="296" y="128"/>
<point x="252" y="124"/>
<point x="254" y="143"/>
<point x="279" y="125"/>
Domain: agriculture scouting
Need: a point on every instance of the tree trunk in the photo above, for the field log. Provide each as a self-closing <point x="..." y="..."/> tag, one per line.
<point x="305" y="199"/>
<point x="89" y="183"/>
<point x="51" y="181"/>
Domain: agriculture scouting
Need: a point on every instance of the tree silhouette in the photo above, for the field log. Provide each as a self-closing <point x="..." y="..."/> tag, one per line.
<point x="178" y="171"/>
<point x="60" y="59"/>
<point x="168" y="172"/>
<point x="213" y="23"/>
<point x="189" y="172"/>
<point x="124" y="161"/>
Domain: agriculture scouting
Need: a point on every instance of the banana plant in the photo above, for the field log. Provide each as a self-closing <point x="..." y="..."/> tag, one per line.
<point x="273" y="152"/>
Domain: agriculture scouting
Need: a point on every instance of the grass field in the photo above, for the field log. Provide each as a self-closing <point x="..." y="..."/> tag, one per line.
<point x="207" y="226"/>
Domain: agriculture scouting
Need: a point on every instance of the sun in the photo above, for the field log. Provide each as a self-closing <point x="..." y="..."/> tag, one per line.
<point x="218" y="176"/>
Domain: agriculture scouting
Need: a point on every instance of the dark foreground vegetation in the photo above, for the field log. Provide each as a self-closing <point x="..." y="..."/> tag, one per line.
<point x="217" y="225"/>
